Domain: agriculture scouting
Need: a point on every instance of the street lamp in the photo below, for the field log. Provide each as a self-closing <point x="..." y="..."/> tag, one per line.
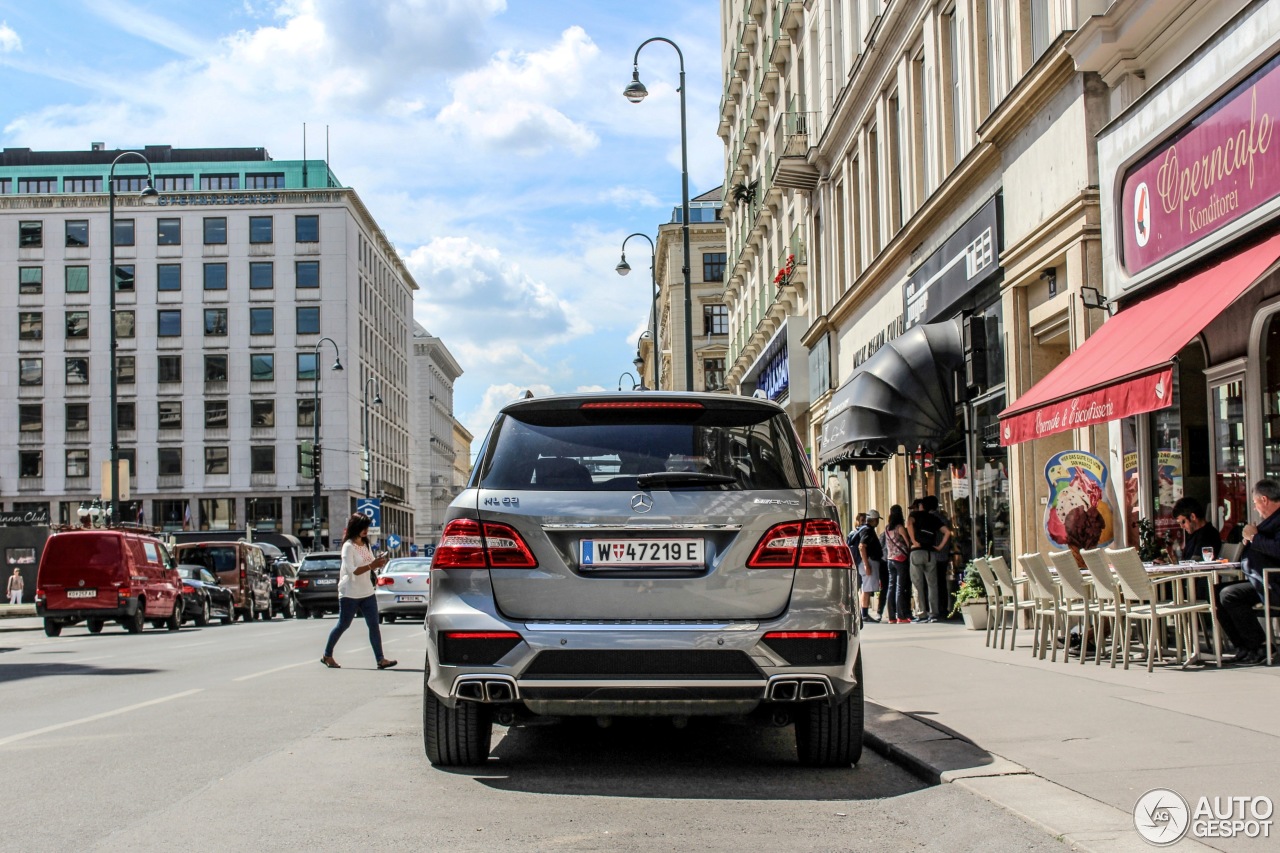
<point x="377" y="401"/>
<point x="635" y="93"/>
<point x="634" y="383"/>
<point x="315" y="444"/>
<point x="622" y="269"/>
<point x="149" y="196"/>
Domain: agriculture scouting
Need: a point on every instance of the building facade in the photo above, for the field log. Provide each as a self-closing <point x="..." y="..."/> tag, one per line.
<point x="225" y="293"/>
<point x="436" y="450"/>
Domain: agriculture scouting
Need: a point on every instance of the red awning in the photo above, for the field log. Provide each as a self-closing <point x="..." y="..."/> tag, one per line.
<point x="1125" y="368"/>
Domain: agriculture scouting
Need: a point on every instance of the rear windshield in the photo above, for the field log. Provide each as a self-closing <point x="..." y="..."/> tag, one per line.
<point x="89" y="552"/>
<point x="217" y="558"/>
<point x="756" y="448"/>
<point x="332" y="563"/>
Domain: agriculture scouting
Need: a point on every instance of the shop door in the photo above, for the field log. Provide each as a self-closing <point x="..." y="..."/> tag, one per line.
<point x="1230" y="476"/>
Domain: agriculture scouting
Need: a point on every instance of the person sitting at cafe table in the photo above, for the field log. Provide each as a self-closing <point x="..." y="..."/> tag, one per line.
<point x="1197" y="534"/>
<point x="1234" y="600"/>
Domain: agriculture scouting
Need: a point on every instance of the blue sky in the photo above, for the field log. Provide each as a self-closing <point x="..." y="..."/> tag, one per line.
<point x="489" y="138"/>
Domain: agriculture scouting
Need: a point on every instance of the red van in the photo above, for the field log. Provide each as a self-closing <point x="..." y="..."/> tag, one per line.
<point x="96" y="576"/>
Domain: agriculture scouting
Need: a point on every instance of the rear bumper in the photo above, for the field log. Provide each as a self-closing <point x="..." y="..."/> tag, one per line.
<point x="130" y="608"/>
<point x="326" y="599"/>
<point x="388" y="605"/>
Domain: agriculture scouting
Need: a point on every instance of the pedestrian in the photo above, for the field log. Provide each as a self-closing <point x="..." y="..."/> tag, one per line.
<point x="1235" y="601"/>
<point x="897" y="549"/>
<point x="15" y="586"/>
<point x="927" y="536"/>
<point x="355" y="590"/>
<point x="870" y="559"/>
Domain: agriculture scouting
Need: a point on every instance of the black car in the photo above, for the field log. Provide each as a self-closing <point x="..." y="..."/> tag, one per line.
<point x="315" y="591"/>
<point x="203" y="598"/>
<point x="282" y="575"/>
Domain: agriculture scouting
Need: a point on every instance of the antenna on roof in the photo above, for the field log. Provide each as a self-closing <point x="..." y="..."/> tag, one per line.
<point x="327" y="182"/>
<point x="304" y="155"/>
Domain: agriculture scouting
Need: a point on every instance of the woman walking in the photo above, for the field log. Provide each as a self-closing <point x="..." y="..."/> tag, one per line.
<point x="355" y="590"/>
<point x="897" y="550"/>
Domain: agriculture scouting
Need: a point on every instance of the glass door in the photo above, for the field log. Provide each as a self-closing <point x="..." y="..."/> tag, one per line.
<point x="1230" y="478"/>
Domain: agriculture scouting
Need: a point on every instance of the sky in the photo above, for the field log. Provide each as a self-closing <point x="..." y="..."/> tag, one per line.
<point x="489" y="139"/>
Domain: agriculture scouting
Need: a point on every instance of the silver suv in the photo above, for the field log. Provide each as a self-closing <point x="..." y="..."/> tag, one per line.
<point x="642" y="554"/>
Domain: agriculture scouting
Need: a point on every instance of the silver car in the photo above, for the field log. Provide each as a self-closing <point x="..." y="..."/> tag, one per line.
<point x="404" y="588"/>
<point x="642" y="554"/>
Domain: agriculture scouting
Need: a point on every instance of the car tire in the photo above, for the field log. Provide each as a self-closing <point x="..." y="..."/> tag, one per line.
<point x="300" y="612"/>
<point x="94" y="626"/>
<point x="202" y="618"/>
<point x="391" y="618"/>
<point x="458" y="736"/>
<point x="174" y="622"/>
<point x="135" y="623"/>
<point x="52" y="627"/>
<point x="289" y="607"/>
<point x="831" y="735"/>
<point x="230" y="617"/>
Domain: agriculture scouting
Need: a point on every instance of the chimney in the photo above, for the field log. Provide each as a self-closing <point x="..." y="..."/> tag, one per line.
<point x="97" y="146"/>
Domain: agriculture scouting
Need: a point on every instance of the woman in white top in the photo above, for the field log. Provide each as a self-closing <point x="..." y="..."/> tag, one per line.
<point x="355" y="590"/>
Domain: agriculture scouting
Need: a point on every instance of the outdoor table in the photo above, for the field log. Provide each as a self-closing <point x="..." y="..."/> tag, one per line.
<point x="1187" y="571"/>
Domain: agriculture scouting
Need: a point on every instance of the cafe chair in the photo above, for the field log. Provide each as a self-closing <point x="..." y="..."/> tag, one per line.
<point x="1013" y="601"/>
<point x="1270" y="615"/>
<point x="995" y="612"/>
<point x="1231" y="551"/>
<point x="1044" y="615"/>
<point x="1075" y="600"/>
<point x="1143" y="604"/>
<point x="1110" y="601"/>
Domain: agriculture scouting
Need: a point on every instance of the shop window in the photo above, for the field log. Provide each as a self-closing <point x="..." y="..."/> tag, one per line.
<point x="1271" y="398"/>
<point x="1231" y="479"/>
<point x="218" y="514"/>
<point x="263" y="513"/>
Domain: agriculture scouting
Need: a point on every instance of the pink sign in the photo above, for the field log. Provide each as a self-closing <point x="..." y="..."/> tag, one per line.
<point x="1219" y="167"/>
<point x="1130" y="397"/>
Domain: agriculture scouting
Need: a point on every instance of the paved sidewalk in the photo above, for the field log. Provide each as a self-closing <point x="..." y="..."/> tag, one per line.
<point x="12" y="611"/>
<point x="1068" y="747"/>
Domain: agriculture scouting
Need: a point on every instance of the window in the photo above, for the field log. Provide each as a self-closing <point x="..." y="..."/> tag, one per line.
<point x="219" y="182"/>
<point x="77" y="463"/>
<point x="307" y="412"/>
<point x="260" y="229"/>
<point x="77" y="279"/>
<point x="30" y="417"/>
<point x="309" y="320"/>
<point x="77" y="232"/>
<point x="262" y="367"/>
<point x="82" y="185"/>
<point x="175" y="183"/>
<point x="306" y="229"/>
<point x="262" y="413"/>
<point x="77" y="417"/>
<point x="6" y="186"/>
<point x="170" y="412"/>
<point x="261" y="275"/>
<point x="169" y="323"/>
<point x="30" y="326"/>
<point x="126" y="369"/>
<point x="262" y="460"/>
<point x="215" y="460"/>
<point x="168" y="232"/>
<point x="30" y="235"/>
<point x="31" y="279"/>
<point x="215" y="322"/>
<point x="713" y="373"/>
<point x="130" y="184"/>
<point x="122" y="235"/>
<point x="307" y="274"/>
<point x="215" y="414"/>
<point x="126" y="327"/>
<point x="264" y="182"/>
<point x="124" y="277"/>
<point x="127" y="419"/>
<point x="37" y="185"/>
<point x="713" y="266"/>
<point x="169" y="461"/>
<point x="215" y="368"/>
<point x="262" y="321"/>
<point x="306" y="366"/>
<point x="130" y="455"/>
<point x="215" y="230"/>
<point x="30" y="463"/>
<point x="77" y="371"/>
<point x="31" y="371"/>
<point x="715" y="319"/>
<point x="168" y="276"/>
<point x="169" y="368"/>
<point x="215" y="276"/>
<point x="77" y="324"/>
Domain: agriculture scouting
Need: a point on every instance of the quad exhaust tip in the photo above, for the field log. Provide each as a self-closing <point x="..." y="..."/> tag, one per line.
<point x="488" y="689"/>
<point x="798" y="689"/>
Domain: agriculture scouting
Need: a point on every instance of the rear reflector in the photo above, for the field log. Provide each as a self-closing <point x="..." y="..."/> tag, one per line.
<point x="474" y="648"/>
<point x="466" y="544"/>
<point x="813" y="544"/>
<point x="482" y="635"/>
<point x="802" y="635"/>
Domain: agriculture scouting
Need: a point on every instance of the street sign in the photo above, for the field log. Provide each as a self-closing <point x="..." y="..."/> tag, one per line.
<point x="371" y="507"/>
<point x="428" y="550"/>
<point x="393" y="542"/>
<point x="413" y="550"/>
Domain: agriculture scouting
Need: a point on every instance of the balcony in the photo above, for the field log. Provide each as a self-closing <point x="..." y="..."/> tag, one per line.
<point x="794" y="171"/>
<point x="792" y="14"/>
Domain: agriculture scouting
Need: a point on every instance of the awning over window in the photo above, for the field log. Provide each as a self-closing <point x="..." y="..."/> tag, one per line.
<point x="1125" y="368"/>
<point x="901" y="396"/>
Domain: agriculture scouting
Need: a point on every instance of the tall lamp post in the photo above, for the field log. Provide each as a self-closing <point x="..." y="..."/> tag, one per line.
<point x="635" y="93"/>
<point x="622" y="269"/>
<point x="368" y="463"/>
<point x="315" y="444"/>
<point x="149" y="196"/>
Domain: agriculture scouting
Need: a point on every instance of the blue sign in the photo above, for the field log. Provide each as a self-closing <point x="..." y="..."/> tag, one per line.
<point x="413" y="550"/>
<point x="393" y="541"/>
<point x="774" y="378"/>
<point x="371" y="507"/>
<point x="428" y="550"/>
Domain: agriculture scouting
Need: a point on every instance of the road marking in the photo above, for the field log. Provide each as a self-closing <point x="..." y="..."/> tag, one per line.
<point x="24" y="735"/>
<point x="269" y="671"/>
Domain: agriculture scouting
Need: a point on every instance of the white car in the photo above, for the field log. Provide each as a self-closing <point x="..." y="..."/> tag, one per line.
<point x="404" y="588"/>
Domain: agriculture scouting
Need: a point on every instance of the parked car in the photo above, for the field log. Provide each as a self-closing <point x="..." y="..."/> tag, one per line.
<point x="204" y="598"/>
<point x="404" y="588"/>
<point x="281" y="577"/>
<point x="97" y="576"/>
<point x="240" y="567"/>
<point x="642" y="553"/>
<point x="316" y="588"/>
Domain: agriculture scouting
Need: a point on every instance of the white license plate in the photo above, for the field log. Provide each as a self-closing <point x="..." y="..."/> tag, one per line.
<point x="409" y="599"/>
<point x="82" y="593"/>
<point x="610" y="553"/>
<point x="325" y="582"/>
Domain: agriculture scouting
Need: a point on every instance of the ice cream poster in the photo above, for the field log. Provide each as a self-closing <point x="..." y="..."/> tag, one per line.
<point x="1079" y="512"/>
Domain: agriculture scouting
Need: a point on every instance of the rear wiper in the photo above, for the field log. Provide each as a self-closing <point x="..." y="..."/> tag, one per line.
<point x="679" y="478"/>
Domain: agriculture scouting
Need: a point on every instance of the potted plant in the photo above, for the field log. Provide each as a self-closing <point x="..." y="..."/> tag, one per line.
<point x="971" y="600"/>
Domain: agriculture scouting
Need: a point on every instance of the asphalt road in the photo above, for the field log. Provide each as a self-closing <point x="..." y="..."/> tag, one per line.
<point x="236" y="738"/>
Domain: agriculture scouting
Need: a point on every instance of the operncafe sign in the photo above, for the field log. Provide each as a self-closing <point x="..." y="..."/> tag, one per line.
<point x="1218" y="167"/>
<point x="969" y="258"/>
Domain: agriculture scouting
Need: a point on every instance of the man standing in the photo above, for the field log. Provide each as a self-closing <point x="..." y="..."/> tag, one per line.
<point x="1234" y="601"/>
<point x="870" y="558"/>
<point x="928" y="535"/>
<point x="14" y="588"/>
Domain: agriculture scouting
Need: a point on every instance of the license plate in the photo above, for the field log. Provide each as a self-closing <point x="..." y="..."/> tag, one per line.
<point x="409" y="599"/>
<point x="82" y="593"/>
<point x="325" y="582"/>
<point x="610" y="553"/>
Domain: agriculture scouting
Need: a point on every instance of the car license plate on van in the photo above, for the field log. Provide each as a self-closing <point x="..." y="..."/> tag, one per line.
<point x="82" y="593"/>
<point x="617" y="553"/>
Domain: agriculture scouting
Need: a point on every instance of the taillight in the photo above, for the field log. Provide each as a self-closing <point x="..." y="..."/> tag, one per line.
<point x="384" y="581"/>
<point x="279" y="580"/>
<point x="802" y="635"/>
<point x="466" y="544"/>
<point x="813" y="544"/>
<point x="188" y="589"/>
<point x="301" y="583"/>
<point x="124" y="592"/>
<point x="40" y="594"/>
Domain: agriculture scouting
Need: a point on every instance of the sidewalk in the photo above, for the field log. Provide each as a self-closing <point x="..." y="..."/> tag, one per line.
<point x="10" y="611"/>
<point x="1071" y="748"/>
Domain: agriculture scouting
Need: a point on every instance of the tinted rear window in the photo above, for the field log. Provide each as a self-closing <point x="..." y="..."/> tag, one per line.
<point x="310" y="565"/>
<point x="89" y="552"/>
<point x="544" y="452"/>
<point x="215" y="558"/>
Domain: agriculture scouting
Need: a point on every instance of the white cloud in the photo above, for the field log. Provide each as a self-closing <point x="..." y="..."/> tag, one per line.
<point x="630" y="197"/>
<point x="154" y="28"/>
<point x="511" y="103"/>
<point x="9" y="40"/>
<point x="495" y="397"/>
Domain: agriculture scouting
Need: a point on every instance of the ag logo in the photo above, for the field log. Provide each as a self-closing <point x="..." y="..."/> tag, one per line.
<point x="1161" y="817"/>
<point x="1142" y="214"/>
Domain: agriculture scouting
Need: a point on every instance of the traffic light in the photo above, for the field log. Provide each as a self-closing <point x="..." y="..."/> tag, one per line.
<point x="364" y="464"/>
<point x="307" y="459"/>
<point x="318" y="457"/>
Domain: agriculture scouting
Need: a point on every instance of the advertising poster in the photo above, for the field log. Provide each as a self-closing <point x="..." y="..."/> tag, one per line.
<point x="1078" y="513"/>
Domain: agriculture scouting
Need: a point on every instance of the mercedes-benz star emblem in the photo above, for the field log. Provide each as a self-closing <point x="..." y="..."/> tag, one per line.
<point x="641" y="503"/>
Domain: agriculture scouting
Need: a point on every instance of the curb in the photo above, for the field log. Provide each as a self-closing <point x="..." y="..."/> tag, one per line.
<point x="14" y="611"/>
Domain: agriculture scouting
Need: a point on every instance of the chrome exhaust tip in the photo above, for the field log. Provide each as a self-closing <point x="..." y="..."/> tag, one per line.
<point x="813" y="690"/>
